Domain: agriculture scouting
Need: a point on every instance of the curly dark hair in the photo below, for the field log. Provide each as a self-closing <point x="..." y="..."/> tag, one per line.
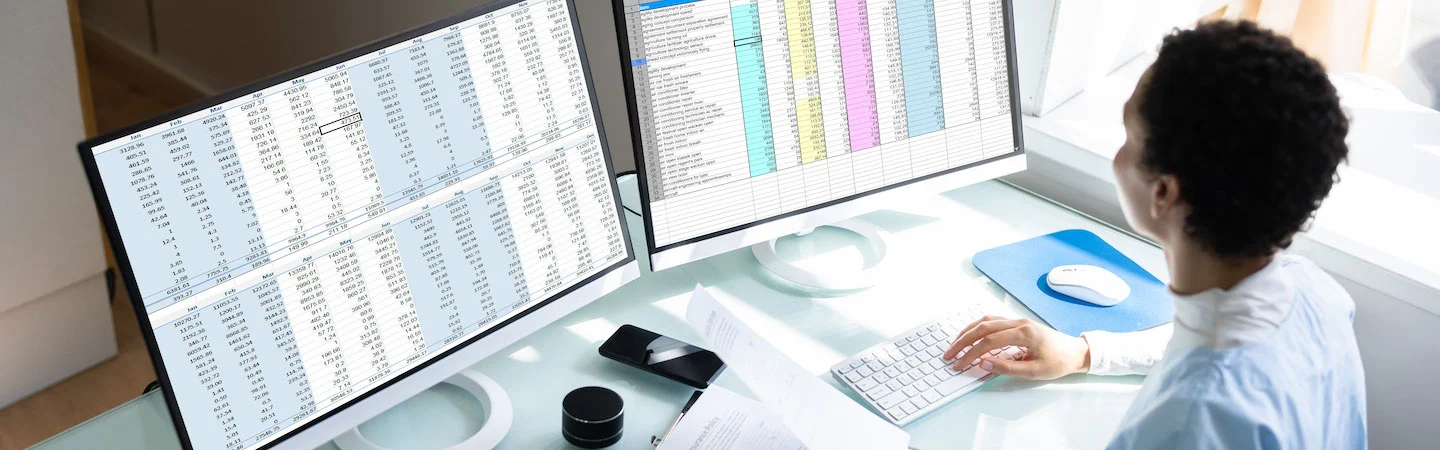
<point x="1252" y="129"/>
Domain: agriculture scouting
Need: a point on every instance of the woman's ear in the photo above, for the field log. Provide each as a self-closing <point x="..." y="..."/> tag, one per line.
<point x="1164" y="196"/>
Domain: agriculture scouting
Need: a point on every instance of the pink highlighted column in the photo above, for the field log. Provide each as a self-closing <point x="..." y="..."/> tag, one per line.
<point x="854" y="27"/>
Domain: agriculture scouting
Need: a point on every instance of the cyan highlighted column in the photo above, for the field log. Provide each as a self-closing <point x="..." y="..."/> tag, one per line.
<point x="920" y="62"/>
<point x="754" y="94"/>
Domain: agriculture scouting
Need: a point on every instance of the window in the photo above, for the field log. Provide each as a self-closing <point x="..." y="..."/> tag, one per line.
<point x="1384" y="57"/>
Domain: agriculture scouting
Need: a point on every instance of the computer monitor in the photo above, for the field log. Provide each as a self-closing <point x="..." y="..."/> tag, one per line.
<point x="311" y="249"/>
<point x="754" y="119"/>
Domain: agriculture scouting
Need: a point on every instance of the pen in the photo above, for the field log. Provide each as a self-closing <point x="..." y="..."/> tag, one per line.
<point x="656" y="440"/>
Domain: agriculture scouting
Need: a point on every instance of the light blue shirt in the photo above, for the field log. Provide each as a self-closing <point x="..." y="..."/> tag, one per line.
<point x="1270" y="364"/>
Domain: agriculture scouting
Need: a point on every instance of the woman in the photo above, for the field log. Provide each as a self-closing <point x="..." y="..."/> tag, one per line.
<point x="1233" y="138"/>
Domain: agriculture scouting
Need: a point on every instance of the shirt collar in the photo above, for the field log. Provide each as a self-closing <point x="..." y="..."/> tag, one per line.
<point x="1246" y="313"/>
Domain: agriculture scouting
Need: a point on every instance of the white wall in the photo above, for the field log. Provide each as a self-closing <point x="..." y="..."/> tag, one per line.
<point x="1398" y="346"/>
<point x="1419" y="78"/>
<point x="50" y="250"/>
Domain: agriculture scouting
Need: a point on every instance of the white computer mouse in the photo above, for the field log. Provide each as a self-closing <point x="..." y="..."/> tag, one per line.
<point x="1089" y="284"/>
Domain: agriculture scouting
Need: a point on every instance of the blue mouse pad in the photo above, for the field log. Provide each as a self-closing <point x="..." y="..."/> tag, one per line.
<point x="1021" y="267"/>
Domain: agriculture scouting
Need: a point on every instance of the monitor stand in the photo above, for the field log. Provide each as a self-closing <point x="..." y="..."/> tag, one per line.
<point x="492" y="398"/>
<point x="844" y="280"/>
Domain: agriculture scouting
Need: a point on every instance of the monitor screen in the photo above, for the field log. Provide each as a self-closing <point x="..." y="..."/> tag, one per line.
<point x="746" y="111"/>
<point x="305" y="241"/>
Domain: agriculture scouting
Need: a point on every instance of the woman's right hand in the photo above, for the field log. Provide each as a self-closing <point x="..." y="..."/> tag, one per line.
<point x="1049" y="354"/>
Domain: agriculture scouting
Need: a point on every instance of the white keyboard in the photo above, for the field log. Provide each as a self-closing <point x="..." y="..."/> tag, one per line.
<point x="905" y="378"/>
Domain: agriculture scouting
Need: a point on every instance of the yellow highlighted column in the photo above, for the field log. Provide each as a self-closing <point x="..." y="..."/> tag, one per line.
<point x="802" y="38"/>
<point x="812" y="129"/>
<point x="803" y="69"/>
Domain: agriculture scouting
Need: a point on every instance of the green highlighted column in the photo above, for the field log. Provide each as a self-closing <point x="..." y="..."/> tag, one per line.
<point x="754" y="94"/>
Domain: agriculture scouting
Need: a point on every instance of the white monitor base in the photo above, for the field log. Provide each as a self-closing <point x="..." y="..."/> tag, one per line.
<point x="833" y="281"/>
<point x="498" y="415"/>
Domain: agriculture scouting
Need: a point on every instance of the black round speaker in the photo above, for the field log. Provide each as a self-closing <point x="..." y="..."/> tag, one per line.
<point x="592" y="417"/>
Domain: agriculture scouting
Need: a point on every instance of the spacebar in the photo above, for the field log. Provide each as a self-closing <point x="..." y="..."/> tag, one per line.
<point x="960" y="380"/>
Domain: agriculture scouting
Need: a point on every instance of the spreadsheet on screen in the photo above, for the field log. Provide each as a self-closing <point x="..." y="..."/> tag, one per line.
<point x="751" y="109"/>
<point x="300" y="245"/>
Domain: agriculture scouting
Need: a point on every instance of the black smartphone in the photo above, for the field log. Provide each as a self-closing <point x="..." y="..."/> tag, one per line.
<point x="663" y="356"/>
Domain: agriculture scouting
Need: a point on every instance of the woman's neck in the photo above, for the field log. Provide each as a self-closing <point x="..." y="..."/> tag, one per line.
<point x="1194" y="270"/>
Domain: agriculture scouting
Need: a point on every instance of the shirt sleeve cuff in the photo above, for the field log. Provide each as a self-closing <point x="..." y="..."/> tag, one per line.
<point x="1126" y="353"/>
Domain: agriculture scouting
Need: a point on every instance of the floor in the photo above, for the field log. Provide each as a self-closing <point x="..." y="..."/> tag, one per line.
<point x="123" y="92"/>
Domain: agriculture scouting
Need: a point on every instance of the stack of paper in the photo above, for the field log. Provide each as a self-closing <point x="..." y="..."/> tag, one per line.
<point x="795" y="409"/>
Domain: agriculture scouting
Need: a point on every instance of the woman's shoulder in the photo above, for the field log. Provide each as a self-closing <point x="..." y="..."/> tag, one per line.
<point x="1314" y="285"/>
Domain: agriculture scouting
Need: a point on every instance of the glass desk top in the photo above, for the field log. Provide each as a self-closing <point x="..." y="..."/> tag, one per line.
<point x="930" y="242"/>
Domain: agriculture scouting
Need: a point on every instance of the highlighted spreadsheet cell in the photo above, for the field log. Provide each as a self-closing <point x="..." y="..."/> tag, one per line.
<point x="340" y="123"/>
<point x="663" y="3"/>
<point x="802" y="39"/>
<point x="859" y="74"/>
<point x="754" y="92"/>
<point x="921" y="56"/>
<point x="812" y="129"/>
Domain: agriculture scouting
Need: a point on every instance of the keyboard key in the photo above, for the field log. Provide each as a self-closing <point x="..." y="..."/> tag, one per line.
<point x="936" y="364"/>
<point x="856" y="363"/>
<point x="909" y="408"/>
<point x="919" y="370"/>
<point x="878" y="393"/>
<point x="866" y="384"/>
<point x="875" y="366"/>
<point x="935" y="352"/>
<point x="864" y="371"/>
<point x="889" y="401"/>
<point x="916" y="347"/>
<point x="895" y="385"/>
<point x="916" y="359"/>
<point x="920" y="402"/>
<point x="976" y="372"/>
<point x="929" y="340"/>
<point x="932" y="395"/>
<point x="895" y="354"/>
<point x="933" y="379"/>
<point x="910" y="391"/>
<point x="854" y="377"/>
<point x="881" y="377"/>
<point x="897" y="414"/>
<point x="923" y="383"/>
<point x="954" y="384"/>
<point x="884" y="359"/>
<point x="892" y="372"/>
<point x="905" y="378"/>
